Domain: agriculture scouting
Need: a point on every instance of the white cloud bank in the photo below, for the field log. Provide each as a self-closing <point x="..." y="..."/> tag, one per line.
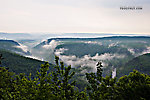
<point x="33" y="57"/>
<point x="52" y="45"/>
<point x="146" y="51"/>
<point x="113" y="44"/>
<point x="93" y="42"/>
<point x="23" y="47"/>
<point x="132" y="51"/>
<point x="86" y="60"/>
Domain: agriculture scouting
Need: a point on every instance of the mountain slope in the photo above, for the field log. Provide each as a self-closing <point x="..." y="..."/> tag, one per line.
<point x="94" y="39"/>
<point x="18" y="63"/>
<point x="13" y="46"/>
<point x="112" y="51"/>
<point x="140" y="63"/>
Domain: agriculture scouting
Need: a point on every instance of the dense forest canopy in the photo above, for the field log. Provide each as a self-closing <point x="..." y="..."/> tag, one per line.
<point x="19" y="64"/>
<point x="56" y="85"/>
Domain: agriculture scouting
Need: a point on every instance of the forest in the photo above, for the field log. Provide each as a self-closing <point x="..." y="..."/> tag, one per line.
<point x="58" y="85"/>
<point x="75" y="68"/>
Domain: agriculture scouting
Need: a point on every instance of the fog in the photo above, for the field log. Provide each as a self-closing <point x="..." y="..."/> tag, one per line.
<point x="52" y="45"/>
<point x="86" y="60"/>
<point x="23" y="47"/>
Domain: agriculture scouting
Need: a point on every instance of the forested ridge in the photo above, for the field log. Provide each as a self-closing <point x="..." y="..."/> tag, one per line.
<point x="56" y="85"/>
<point x="19" y="64"/>
<point x="140" y="63"/>
<point x="13" y="46"/>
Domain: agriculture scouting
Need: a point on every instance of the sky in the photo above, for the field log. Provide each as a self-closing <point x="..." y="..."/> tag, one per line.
<point x="74" y="16"/>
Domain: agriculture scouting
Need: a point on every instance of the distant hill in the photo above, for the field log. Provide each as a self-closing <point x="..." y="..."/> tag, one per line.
<point x="19" y="64"/>
<point x="13" y="46"/>
<point x="15" y="36"/>
<point x="93" y="39"/>
<point x="113" y="51"/>
<point x="140" y="63"/>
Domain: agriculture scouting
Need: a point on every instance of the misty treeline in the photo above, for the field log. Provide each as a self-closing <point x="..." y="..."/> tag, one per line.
<point x="57" y="85"/>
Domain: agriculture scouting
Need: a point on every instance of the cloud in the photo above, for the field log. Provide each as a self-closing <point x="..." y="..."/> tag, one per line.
<point x="114" y="73"/>
<point x="146" y="51"/>
<point x="23" y="47"/>
<point x="131" y="51"/>
<point x="33" y="57"/>
<point x="86" y="60"/>
<point x="112" y="44"/>
<point x="93" y="42"/>
<point x="107" y="56"/>
<point x="60" y="51"/>
<point x="52" y="45"/>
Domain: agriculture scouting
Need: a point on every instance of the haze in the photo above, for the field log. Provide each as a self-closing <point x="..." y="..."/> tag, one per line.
<point x="74" y="16"/>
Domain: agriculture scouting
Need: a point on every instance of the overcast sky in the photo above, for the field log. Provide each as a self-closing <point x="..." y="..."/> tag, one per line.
<point x="71" y="16"/>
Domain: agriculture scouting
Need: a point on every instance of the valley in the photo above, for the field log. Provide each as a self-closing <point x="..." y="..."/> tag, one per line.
<point x="119" y="55"/>
<point x="81" y="53"/>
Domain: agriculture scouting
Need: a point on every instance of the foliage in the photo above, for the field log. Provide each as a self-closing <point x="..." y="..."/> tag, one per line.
<point x="46" y="85"/>
<point x="100" y="88"/>
<point x="19" y="64"/>
<point x="135" y="86"/>
<point x="140" y="63"/>
<point x="56" y="85"/>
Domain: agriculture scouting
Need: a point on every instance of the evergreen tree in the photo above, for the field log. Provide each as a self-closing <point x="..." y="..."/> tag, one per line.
<point x="100" y="87"/>
<point x="56" y="85"/>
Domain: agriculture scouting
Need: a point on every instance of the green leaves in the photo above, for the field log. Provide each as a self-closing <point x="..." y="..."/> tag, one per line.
<point x="46" y="84"/>
<point x="1" y="58"/>
<point x="61" y="77"/>
<point x="134" y="86"/>
<point x="57" y="85"/>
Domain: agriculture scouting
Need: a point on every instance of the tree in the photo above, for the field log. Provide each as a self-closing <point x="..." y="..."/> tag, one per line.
<point x="56" y="82"/>
<point x="6" y="84"/>
<point x="100" y="88"/>
<point x="46" y="84"/>
<point x="56" y="85"/>
<point x="135" y="86"/>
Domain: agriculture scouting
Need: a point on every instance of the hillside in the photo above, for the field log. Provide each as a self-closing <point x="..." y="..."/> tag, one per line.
<point x="140" y="63"/>
<point x="14" y="46"/>
<point x="15" y="36"/>
<point x="113" y="52"/>
<point x="19" y="64"/>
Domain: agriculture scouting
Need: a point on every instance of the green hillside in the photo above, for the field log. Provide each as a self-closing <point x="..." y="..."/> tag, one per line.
<point x="59" y="85"/>
<point x="13" y="46"/>
<point x="115" y="51"/>
<point x="19" y="64"/>
<point x="140" y="63"/>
